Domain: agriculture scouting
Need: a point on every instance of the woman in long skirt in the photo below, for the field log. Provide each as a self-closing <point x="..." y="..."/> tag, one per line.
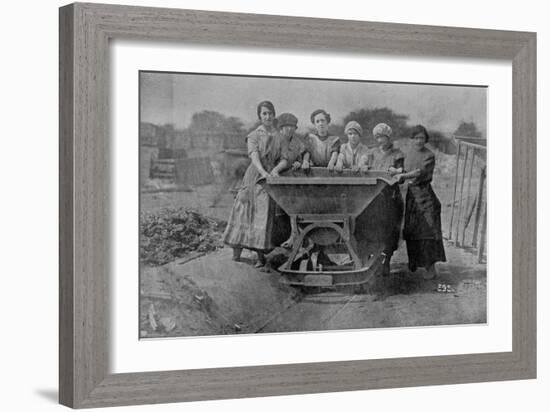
<point x="388" y="158"/>
<point x="250" y="224"/>
<point x="422" y="230"/>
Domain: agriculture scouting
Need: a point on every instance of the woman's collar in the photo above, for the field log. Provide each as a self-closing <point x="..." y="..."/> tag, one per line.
<point x="322" y="138"/>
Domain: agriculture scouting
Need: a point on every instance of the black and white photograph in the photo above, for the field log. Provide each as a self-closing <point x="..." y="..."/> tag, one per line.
<point x="277" y="204"/>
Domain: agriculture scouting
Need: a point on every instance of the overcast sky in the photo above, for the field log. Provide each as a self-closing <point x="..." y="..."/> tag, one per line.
<point x="174" y="98"/>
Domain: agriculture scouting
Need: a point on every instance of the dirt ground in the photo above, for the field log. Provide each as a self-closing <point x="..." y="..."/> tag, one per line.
<point x="214" y="295"/>
<point x="211" y="294"/>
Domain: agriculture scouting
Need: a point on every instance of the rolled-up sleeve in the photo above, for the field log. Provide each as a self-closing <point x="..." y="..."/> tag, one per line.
<point x="253" y="143"/>
<point x="294" y="151"/>
<point x="308" y="144"/>
<point x="335" y="147"/>
<point x="345" y="156"/>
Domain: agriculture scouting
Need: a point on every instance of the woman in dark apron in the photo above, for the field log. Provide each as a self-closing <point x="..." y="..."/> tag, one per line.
<point x="422" y="230"/>
<point x="388" y="158"/>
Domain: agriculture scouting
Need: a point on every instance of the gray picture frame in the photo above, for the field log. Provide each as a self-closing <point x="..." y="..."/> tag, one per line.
<point x="85" y="31"/>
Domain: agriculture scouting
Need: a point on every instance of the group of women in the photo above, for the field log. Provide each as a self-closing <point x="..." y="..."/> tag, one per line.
<point x="274" y="147"/>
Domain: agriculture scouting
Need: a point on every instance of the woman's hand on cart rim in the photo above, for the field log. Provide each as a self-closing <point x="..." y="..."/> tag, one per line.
<point x="393" y="171"/>
<point x="296" y="165"/>
<point x="399" y="177"/>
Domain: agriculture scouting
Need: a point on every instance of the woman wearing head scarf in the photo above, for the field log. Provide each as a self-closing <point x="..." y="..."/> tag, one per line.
<point x="422" y="230"/>
<point x="321" y="148"/>
<point x="251" y="221"/>
<point x="385" y="156"/>
<point x="353" y="154"/>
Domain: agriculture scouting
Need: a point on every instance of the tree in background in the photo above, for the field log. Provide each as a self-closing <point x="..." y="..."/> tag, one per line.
<point x="468" y="129"/>
<point x="335" y="129"/>
<point x="441" y="142"/>
<point x="211" y="121"/>
<point x="368" y="118"/>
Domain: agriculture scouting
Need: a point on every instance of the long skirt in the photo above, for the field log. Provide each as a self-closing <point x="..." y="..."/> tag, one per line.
<point x="252" y="218"/>
<point x="378" y="227"/>
<point x="422" y="229"/>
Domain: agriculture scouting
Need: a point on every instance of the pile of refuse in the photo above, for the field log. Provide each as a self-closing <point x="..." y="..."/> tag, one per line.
<point x="169" y="234"/>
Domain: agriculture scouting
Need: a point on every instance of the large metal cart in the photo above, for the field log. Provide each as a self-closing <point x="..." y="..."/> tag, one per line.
<point x="324" y="208"/>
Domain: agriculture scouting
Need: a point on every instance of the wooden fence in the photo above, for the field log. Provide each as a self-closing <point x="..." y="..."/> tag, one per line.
<point x="468" y="223"/>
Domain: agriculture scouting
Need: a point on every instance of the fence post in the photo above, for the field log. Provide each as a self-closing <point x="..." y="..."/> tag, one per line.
<point x="480" y="191"/>
<point x="459" y="148"/>
<point x="466" y="155"/>
<point x="467" y="206"/>
<point x="481" y="249"/>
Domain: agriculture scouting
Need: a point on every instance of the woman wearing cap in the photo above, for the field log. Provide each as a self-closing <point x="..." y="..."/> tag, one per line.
<point x="321" y="148"/>
<point x="292" y="148"/>
<point x="353" y="154"/>
<point x="385" y="156"/>
<point x="251" y="221"/>
<point x="422" y="230"/>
